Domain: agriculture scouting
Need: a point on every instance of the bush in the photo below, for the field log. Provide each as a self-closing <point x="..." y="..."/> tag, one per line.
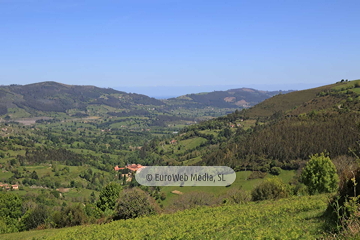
<point x="133" y="203"/>
<point x="93" y="213"/>
<point x="343" y="210"/>
<point x="264" y="168"/>
<point x="320" y="175"/>
<point x="237" y="196"/>
<point x="162" y="196"/>
<point x="35" y="217"/>
<point x="275" y="171"/>
<point x="10" y="212"/>
<point x="271" y="188"/>
<point x="300" y="190"/>
<point x="70" y="216"/>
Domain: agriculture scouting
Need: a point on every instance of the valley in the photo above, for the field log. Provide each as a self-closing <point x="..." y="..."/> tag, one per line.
<point x="178" y="120"/>
<point x="63" y="161"/>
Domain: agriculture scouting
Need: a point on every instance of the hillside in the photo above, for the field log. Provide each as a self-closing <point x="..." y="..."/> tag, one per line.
<point x="51" y="100"/>
<point x="281" y="131"/>
<point x="290" y="101"/>
<point x="292" y="218"/>
<point x="43" y="98"/>
<point x="40" y="98"/>
<point x="232" y="98"/>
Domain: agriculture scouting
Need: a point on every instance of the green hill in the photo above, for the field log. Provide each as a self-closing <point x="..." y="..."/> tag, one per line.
<point x="48" y="100"/>
<point x="39" y="98"/>
<point x="281" y="131"/>
<point x="296" y="102"/>
<point x="232" y="98"/>
<point x="293" y="218"/>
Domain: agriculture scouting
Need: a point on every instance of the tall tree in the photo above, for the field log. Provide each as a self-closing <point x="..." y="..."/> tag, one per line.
<point x="108" y="196"/>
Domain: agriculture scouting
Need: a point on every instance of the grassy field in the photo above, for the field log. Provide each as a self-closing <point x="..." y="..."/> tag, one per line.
<point x="192" y="161"/>
<point x="292" y="218"/>
<point x="181" y="146"/>
<point x="247" y="124"/>
<point x="18" y="113"/>
<point x="240" y="182"/>
<point x="215" y="133"/>
<point x="5" y="174"/>
<point x="62" y="179"/>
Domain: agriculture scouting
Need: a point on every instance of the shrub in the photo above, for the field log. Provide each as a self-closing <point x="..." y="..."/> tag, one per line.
<point x="345" y="164"/>
<point x="275" y="171"/>
<point x="10" y="212"/>
<point x="237" y="196"/>
<point x="271" y="188"/>
<point x="35" y="217"/>
<point x="343" y="209"/>
<point x="70" y="216"/>
<point x="300" y="190"/>
<point x="162" y="196"/>
<point x="265" y="168"/>
<point x="133" y="203"/>
<point x="320" y="175"/>
<point x="93" y="212"/>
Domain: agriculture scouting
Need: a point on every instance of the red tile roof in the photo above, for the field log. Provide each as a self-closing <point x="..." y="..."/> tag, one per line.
<point x="131" y="167"/>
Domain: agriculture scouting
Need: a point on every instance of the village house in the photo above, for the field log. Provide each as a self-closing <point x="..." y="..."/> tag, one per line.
<point x="116" y="168"/>
<point x="5" y="186"/>
<point x="132" y="167"/>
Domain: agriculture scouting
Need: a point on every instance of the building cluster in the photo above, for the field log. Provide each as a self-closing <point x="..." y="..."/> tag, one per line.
<point x="8" y="186"/>
<point x="131" y="167"/>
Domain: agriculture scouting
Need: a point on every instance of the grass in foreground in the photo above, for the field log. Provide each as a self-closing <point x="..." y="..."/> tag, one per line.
<point x="292" y="218"/>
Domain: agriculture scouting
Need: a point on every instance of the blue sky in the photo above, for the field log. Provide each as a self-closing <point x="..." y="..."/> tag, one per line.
<point x="139" y="43"/>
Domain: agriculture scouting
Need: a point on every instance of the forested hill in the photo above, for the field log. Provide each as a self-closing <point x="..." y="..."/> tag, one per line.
<point x="296" y="99"/>
<point x="55" y="97"/>
<point x="232" y="98"/>
<point x="325" y="119"/>
<point x="52" y="99"/>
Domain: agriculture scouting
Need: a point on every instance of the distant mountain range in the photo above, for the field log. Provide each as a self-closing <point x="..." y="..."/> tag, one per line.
<point x="40" y="99"/>
<point x="56" y="97"/>
<point x="233" y="98"/>
<point x="165" y="92"/>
